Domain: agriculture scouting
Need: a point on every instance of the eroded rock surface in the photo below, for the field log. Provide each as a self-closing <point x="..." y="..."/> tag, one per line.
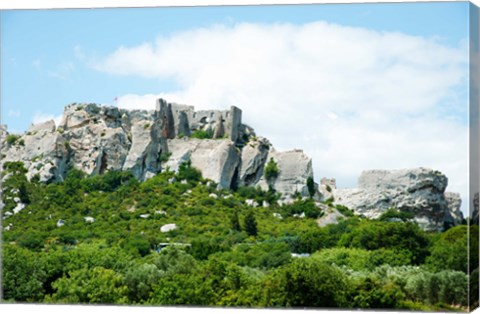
<point x="96" y="139"/>
<point x="295" y="167"/>
<point x="217" y="160"/>
<point x="420" y="191"/>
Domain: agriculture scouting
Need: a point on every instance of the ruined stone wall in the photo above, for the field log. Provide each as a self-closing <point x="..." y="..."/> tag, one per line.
<point x="181" y="120"/>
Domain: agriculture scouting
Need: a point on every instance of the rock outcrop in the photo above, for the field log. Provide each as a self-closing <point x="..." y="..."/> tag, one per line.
<point x="418" y="191"/>
<point x="218" y="160"/>
<point x="295" y="167"/>
<point x="96" y="139"/>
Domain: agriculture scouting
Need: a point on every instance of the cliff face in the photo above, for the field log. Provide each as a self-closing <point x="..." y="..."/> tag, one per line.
<point x="96" y="139"/>
<point x="419" y="191"/>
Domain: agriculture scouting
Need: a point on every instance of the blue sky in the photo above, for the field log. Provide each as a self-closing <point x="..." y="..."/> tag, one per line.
<point x="42" y="71"/>
<point x="357" y="86"/>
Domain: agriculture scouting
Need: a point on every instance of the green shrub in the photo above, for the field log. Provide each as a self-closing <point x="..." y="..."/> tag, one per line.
<point x="189" y="173"/>
<point x="136" y="245"/>
<point x="12" y="139"/>
<point x="164" y="156"/>
<point x="300" y="206"/>
<point x="95" y="286"/>
<point x="400" y="236"/>
<point x="202" y="134"/>
<point x="306" y="283"/>
<point x="372" y="293"/>
<point x="360" y="259"/>
<point x="344" y="210"/>
<point x="32" y="241"/>
<point x="393" y="213"/>
<point x="250" y="224"/>
<point x="271" y="170"/>
<point x="450" y="251"/>
<point x="23" y="275"/>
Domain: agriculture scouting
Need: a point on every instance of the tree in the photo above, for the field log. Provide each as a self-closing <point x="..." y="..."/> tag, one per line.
<point x="371" y="292"/>
<point x="136" y="245"/>
<point x="398" y="236"/>
<point x="98" y="286"/>
<point x="140" y="280"/>
<point x="311" y="186"/>
<point x="234" y="222"/>
<point x="307" y="283"/>
<point x="23" y="275"/>
<point x="271" y="172"/>
<point x="450" y="251"/>
<point x="250" y="224"/>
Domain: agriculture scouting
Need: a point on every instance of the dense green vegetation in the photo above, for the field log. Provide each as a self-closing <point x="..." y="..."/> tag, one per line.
<point x="223" y="252"/>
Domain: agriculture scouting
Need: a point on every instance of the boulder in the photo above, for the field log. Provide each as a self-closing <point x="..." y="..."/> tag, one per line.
<point x="168" y="227"/>
<point x="327" y="185"/>
<point x="295" y="167"/>
<point x="330" y="216"/>
<point x="419" y="191"/>
<point x="89" y="219"/>
<point x="217" y="160"/>
<point x="48" y="126"/>
<point x="453" y="216"/>
<point x="253" y="159"/>
<point x="143" y="157"/>
<point x="18" y="208"/>
<point x="41" y="149"/>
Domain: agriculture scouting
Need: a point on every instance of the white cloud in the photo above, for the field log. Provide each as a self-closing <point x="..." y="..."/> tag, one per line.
<point x="352" y="98"/>
<point x="63" y="71"/>
<point x="144" y="102"/>
<point x="14" y="113"/>
<point x="40" y="117"/>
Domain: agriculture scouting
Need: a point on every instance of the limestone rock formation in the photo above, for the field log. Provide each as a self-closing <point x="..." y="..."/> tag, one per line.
<point x="295" y="167"/>
<point x="453" y="216"/>
<point x="253" y="159"/>
<point x="96" y="139"/>
<point x="331" y="216"/>
<point x="327" y="186"/>
<point x="420" y="191"/>
<point x="217" y="160"/>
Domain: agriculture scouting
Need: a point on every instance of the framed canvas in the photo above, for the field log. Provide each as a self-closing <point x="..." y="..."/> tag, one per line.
<point x="229" y="157"/>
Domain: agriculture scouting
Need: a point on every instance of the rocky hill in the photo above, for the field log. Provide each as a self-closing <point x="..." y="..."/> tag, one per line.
<point x="419" y="191"/>
<point x="96" y="139"/>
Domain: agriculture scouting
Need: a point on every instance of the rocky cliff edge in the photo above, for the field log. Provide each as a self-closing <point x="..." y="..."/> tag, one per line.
<point x="96" y="139"/>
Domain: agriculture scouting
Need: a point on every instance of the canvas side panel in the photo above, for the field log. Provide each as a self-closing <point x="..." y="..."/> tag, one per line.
<point x="474" y="157"/>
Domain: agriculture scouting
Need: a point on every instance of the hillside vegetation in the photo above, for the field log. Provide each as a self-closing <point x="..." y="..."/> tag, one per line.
<point x="98" y="240"/>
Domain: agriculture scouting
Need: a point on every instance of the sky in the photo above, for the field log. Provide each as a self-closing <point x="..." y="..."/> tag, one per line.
<point x="356" y="86"/>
